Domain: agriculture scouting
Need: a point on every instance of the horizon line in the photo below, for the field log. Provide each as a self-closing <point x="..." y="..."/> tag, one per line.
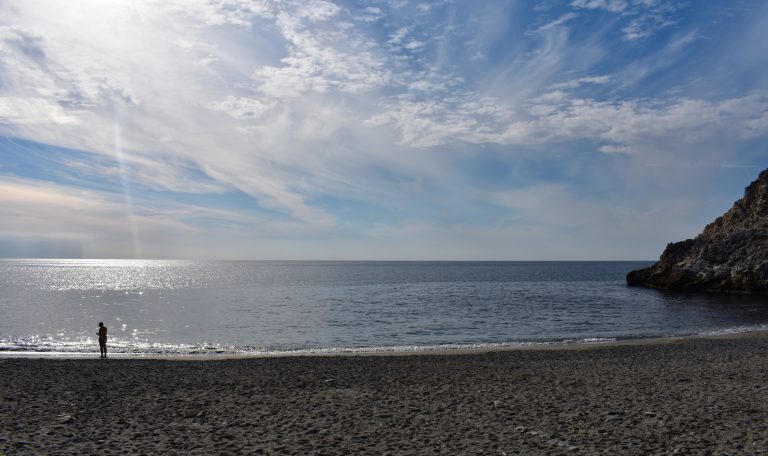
<point x="330" y="260"/>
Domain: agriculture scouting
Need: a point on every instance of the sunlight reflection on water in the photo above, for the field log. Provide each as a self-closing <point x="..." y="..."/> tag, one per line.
<point x="204" y="307"/>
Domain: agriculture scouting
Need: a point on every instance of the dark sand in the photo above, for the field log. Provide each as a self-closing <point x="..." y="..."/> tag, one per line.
<point x="694" y="396"/>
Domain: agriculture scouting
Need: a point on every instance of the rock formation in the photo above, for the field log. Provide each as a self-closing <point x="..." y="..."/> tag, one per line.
<point x="730" y="255"/>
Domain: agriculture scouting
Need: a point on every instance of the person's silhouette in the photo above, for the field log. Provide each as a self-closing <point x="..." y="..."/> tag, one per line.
<point x="102" y="340"/>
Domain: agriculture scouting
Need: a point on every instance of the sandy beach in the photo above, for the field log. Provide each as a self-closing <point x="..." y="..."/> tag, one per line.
<point x="690" y="396"/>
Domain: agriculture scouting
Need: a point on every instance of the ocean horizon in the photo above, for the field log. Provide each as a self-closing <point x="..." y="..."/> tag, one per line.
<point x="184" y="307"/>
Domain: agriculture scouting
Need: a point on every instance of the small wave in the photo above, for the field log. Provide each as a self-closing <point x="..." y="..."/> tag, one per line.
<point x="68" y="348"/>
<point x="591" y="340"/>
<point x="733" y="330"/>
<point x="43" y="346"/>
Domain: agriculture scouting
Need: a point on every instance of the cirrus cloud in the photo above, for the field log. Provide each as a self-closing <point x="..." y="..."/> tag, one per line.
<point x="353" y="120"/>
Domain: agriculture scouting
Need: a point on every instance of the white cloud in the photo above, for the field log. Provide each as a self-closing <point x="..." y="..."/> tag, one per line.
<point x="219" y="12"/>
<point x="319" y="61"/>
<point x="299" y="104"/>
<point x="565" y="18"/>
<point x="242" y="108"/>
<point x="612" y="149"/>
<point x="415" y="44"/>
<point x="370" y="14"/>
<point x="151" y="79"/>
<point x="578" y="82"/>
<point x="437" y="122"/>
<point x="647" y="16"/>
<point x="558" y="117"/>
<point x="34" y="111"/>
<point x="317" y="10"/>
<point x="398" y="35"/>
<point x="645" y="26"/>
<point x="616" y="6"/>
<point x="634" y="121"/>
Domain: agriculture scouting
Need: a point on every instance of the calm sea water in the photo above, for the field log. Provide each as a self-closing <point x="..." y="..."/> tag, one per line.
<point x="194" y="307"/>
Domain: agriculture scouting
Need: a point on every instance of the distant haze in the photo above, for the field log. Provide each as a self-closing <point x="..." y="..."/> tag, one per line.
<point x="434" y="130"/>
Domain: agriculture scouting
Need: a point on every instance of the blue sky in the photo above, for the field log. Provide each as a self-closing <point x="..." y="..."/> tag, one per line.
<point x="492" y="130"/>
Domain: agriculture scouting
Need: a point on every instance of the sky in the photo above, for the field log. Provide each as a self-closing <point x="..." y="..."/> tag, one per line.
<point x="375" y="130"/>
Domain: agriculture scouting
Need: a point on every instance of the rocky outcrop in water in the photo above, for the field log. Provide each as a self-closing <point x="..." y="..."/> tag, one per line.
<point x="730" y="255"/>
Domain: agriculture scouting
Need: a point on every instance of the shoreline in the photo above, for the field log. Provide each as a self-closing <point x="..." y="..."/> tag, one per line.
<point x="703" y="395"/>
<point x="392" y="351"/>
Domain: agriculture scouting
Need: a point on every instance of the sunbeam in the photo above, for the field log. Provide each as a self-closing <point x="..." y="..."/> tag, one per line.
<point x="125" y="181"/>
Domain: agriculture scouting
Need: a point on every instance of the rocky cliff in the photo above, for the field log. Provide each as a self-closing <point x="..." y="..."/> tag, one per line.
<point x="730" y="255"/>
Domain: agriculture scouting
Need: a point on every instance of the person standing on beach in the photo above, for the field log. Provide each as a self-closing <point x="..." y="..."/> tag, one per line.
<point x="102" y="340"/>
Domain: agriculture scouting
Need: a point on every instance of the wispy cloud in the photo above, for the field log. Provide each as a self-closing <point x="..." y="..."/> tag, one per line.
<point x="349" y="120"/>
<point x="556" y="116"/>
<point x="616" y="6"/>
<point x="646" y="17"/>
<point x="557" y="22"/>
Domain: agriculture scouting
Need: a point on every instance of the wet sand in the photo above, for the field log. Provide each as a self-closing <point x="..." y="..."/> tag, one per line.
<point x="690" y="396"/>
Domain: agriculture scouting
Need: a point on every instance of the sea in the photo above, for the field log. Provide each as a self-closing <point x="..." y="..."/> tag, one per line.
<point x="265" y="308"/>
